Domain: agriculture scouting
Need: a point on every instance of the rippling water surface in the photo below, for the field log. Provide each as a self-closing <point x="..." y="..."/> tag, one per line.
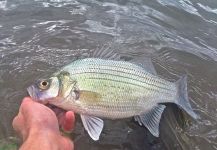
<point x="38" y="37"/>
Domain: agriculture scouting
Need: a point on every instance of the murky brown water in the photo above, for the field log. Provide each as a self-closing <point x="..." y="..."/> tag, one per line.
<point x="38" y="37"/>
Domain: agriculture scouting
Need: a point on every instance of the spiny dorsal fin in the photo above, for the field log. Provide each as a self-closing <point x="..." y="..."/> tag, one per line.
<point x="105" y="51"/>
<point x="145" y="63"/>
<point x="151" y="119"/>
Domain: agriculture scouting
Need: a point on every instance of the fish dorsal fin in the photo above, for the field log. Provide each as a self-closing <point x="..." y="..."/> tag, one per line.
<point x="93" y="126"/>
<point x="146" y="63"/>
<point x="151" y="119"/>
<point x="105" y="51"/>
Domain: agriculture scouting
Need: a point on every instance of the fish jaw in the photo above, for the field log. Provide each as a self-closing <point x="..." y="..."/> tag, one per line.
<point x="32" y="92"/>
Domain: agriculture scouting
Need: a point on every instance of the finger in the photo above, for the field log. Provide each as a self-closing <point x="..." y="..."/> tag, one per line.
<point x="36" y="114"/>
<point x="58" y="111"/>
<point x="31" y="109"/>
<point x="67" y="144"/>
<point x="26" y="106"/>
<point x="65" y="119"/>
<point x="68" y="121"/>
<point x="18" y="125"/>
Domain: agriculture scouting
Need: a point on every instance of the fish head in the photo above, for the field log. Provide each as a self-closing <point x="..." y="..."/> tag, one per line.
<point x="44" y="89"/>
<point x="56" y="89"/>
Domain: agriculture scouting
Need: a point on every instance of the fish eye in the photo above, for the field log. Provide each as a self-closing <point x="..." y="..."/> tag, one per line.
<point x="43" y="85"/>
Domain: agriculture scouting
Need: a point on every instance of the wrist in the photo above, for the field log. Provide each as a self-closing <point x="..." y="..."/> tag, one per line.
<point x="43" y="133"/>
<point x="46" y="139"/>
<point x="36" y="131"/>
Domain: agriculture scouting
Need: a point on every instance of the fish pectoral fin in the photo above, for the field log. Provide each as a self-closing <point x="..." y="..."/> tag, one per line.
<point x="93" y="126"/>
<point x="151" y="119"/>
<point x="94" y="96"/>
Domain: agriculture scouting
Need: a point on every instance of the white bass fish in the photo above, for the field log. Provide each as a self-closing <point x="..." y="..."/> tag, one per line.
<point x="98" y="88"/>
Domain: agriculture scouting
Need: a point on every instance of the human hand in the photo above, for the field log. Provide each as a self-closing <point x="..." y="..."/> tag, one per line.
<point x="66" y="119"/>
<point x="38" y="126"/>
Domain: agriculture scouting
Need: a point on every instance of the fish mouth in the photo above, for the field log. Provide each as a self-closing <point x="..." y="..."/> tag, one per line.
<point x="32" y="93"/>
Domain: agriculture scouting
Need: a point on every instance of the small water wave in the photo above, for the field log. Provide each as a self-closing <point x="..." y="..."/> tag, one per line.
<point x="6" y="5"/>
<point x="3" y="5"/>
<point x="186" y="5"/>
<point x="7" y="41"/>
<point x="57" y="3"/>
<point x="208" y="9"/>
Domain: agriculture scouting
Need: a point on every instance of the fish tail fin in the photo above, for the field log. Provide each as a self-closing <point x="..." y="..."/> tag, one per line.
<point x="182" y="97"/>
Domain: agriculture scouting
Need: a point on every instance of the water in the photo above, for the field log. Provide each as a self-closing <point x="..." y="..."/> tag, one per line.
<point x="38" y="37"/>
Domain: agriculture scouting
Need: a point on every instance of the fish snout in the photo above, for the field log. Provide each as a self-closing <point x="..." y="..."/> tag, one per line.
<point x="32" y="92"/>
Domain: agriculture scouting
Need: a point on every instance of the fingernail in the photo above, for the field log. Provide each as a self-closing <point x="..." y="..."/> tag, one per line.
<point x="26" y="100"/>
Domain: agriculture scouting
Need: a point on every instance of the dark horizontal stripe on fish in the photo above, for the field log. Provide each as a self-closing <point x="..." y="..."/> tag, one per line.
<point x="117" y="65"/>
<point x="133" y="74"/>
<point x="142" y="81"/>
<point x="124" y="82"/>
<point x="105" y="107"/>
<point x="127" y="68"/>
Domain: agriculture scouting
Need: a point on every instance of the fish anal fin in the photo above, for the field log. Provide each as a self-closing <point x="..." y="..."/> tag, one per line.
<point x="151" y="119"/>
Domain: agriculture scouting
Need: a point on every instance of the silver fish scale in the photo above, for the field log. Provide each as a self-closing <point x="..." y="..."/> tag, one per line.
<point x="126" y="89"/>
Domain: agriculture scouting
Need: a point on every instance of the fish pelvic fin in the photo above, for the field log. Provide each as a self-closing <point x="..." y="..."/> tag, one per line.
<point x="182" y="97"/>
<point x="151" y="119"/>
<point x="93" y="125"/>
